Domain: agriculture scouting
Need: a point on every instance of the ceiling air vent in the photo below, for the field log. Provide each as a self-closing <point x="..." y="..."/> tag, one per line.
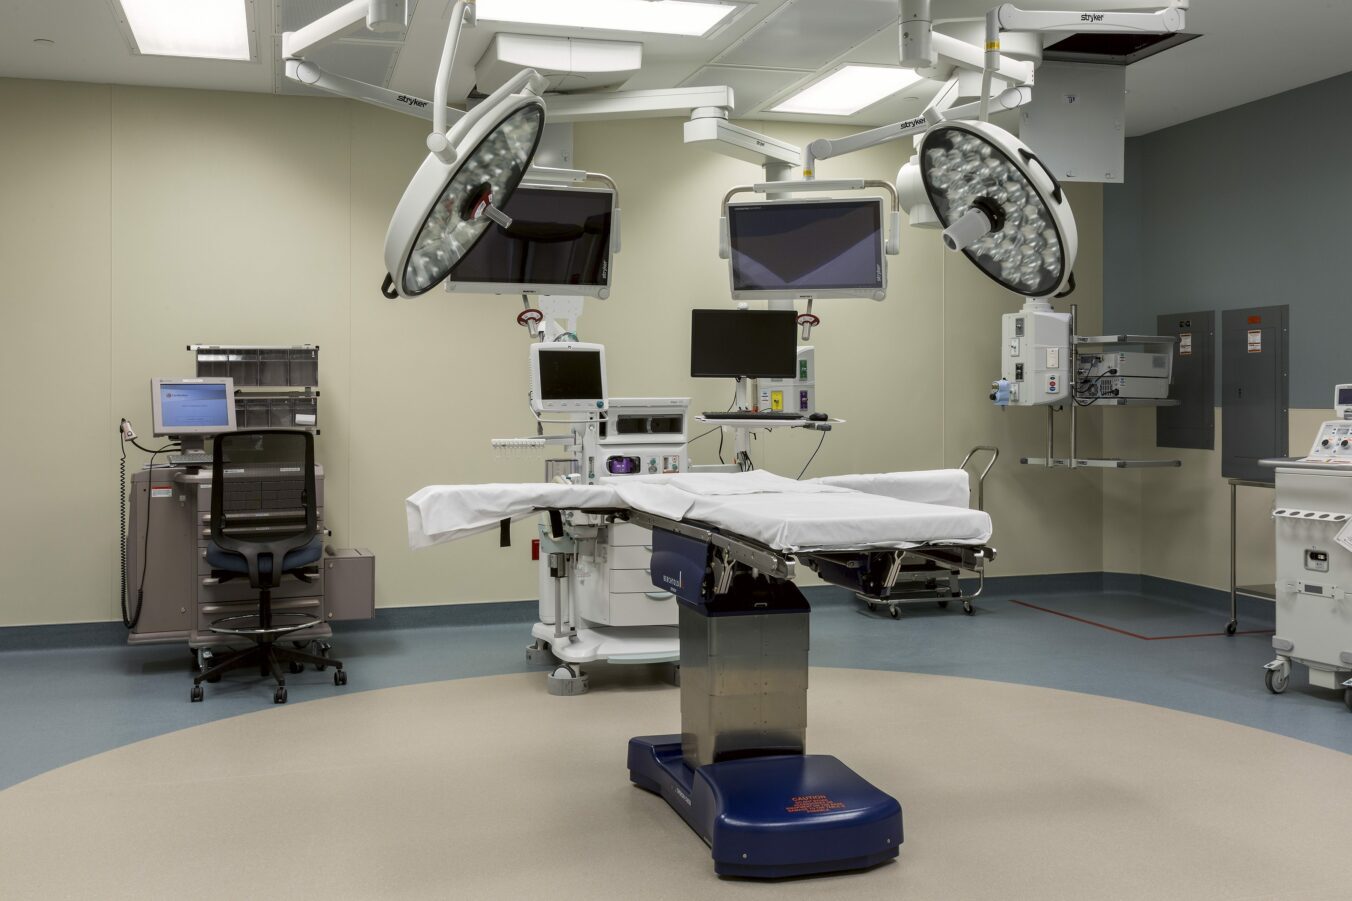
<point x="1112" y="49"/>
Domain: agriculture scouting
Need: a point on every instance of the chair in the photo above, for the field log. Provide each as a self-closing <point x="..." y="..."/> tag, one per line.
<point x="263" y="527"/>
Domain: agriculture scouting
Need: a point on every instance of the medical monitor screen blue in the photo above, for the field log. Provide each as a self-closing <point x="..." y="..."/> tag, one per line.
<point x="559" y="243"/>
<point x="830" y="248"/>
<point x="193" y="406"/>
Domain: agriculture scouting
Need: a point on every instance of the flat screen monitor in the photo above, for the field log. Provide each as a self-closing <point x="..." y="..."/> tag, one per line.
<point x="807" y="248"/>
<point x="193" y="406"/>
<point x="559" y="243"/>
<point x="568" y="377"/>
<point x="1342" y="399"/>
<point x="756" y="344"/>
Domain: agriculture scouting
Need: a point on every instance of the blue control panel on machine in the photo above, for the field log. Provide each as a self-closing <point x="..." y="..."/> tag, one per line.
<point x="679" y="565"/>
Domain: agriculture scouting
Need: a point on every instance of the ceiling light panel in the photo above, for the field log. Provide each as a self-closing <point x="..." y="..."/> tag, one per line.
<point x="679" y="17"/>
<point x="202" y="29"/>
<point x="848" y="90"/>
<point x="812" y="35"/>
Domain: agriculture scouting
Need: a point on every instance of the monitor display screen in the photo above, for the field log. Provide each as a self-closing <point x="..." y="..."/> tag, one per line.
<point x="760" y="344"/>
<point x="1345" y="395"/>
<point x="807" y="248"/>
<point x="195" y="405"/>
<point x="570" y="375"/>
<point x="559" y="237"/>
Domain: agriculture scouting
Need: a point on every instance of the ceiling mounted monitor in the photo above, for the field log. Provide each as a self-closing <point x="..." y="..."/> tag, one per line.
<point x="788" y="249"/>
<point x="559" y="242"/>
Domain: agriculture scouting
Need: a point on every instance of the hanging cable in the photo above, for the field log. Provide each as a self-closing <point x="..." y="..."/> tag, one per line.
<point x="820" y="442"/>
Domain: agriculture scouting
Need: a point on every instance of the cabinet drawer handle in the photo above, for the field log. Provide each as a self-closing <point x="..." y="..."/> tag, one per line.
<point x="657" y="595"/>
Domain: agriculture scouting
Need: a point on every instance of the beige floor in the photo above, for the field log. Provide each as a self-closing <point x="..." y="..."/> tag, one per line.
<point x="489" y="788"/>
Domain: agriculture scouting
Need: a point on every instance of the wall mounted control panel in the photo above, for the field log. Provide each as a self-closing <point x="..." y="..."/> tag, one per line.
<point x="1333" y="444"/>
<point x="1036" y="358"/>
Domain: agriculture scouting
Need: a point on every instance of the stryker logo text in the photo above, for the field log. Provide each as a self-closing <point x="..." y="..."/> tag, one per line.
<point x="411" y="101"/>
<point x="1091" y="17"/>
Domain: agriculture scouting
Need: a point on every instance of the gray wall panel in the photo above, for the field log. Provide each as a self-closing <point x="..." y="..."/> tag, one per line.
<point x="1244" y="208"/>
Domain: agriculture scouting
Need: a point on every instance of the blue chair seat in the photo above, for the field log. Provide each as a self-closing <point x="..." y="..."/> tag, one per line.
<point x="220" y="558"/>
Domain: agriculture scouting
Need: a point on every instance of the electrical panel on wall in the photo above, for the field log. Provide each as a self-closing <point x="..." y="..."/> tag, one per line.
<point x="1254" y="394"/>
<point x="1192" y="423"/>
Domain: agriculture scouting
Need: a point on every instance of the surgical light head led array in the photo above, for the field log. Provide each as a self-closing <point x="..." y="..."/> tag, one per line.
<point x="449" y="205"/>
<point x="1000" y="206"/>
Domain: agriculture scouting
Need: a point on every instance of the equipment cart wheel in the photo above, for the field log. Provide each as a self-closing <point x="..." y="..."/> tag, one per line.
<point x="1276" y="680"/>
<point x="1230" y="627"/>
<point x="967" y="608"/>
<point x="567" y="679"/>
<point x="340" y="677"/>
<point x="943" y="605"/>
<point x="198" y="694"/>
<point x="1347" y="698"/>
<point x="872" y="607"/>
<point x="894" y="612"/>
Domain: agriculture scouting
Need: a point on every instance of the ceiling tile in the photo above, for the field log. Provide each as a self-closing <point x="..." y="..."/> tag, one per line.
<point x="808" y="34"/>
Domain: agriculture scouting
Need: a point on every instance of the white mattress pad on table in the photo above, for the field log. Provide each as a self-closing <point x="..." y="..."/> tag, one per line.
<point x="786" y="515"/>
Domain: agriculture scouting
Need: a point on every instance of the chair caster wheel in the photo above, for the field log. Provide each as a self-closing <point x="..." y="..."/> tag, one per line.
<point x="943" y="605"/>
<point x="295" y="666"/>
<point x="1230" y="627"/>
<point x="340" y="677"/>
<point x="279" y="696"/>
<point x="872" y="606"/>
<point x="894" y="612"/>
<point x="197" y="693"/>
<point x="323" y="648"/>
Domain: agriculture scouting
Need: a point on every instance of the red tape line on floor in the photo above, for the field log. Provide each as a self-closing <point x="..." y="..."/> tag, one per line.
<point x="1090" y="622"/>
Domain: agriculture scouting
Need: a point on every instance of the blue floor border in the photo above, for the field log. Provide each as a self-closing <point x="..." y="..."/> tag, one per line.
<point x="105" y="634"/>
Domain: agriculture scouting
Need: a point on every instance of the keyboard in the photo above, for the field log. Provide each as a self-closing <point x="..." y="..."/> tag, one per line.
<point x="751" y="414"/>
<point x="192" y="458"/>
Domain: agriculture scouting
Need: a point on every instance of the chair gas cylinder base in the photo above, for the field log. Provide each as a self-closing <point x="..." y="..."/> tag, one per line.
<point x="264" y="526"/>
<point x="737" y="773"/>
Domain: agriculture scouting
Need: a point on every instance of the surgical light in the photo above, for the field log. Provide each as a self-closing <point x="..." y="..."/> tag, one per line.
<point x="679" y="17"/>
<point x="455" y="195"/>
<point x="204" y="29"/>
<point x="848" y="90"/>
<point x="1000" y="206"/>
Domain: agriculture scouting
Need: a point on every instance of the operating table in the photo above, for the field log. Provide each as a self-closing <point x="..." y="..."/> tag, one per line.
<point x="728" y="546"/>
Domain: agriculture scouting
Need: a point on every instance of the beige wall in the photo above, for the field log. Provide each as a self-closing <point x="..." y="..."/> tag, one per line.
<point x="135" y="221"/>
<point x="1175" y="523"/>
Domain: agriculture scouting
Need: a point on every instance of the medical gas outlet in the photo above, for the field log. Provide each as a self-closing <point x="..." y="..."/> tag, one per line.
<point x="1035" y="366"/>
<point x="795" y="395"/>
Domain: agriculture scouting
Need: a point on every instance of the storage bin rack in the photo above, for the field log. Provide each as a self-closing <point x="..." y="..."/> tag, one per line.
<point x="276" y="386"/>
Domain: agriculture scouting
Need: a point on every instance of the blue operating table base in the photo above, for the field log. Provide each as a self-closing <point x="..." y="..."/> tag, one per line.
<point x="773" y="816"/>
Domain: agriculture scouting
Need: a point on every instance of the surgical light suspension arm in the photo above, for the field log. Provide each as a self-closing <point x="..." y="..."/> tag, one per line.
<point x="436" y="141"/>
<point x="311" y="74"/>
<point x="938" y="111"/>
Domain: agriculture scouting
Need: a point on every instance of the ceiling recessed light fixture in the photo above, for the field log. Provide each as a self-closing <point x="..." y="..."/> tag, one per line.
<point x="679" y="17"/>
<point x="848" y="90"/>
<point x="202" y="29"/>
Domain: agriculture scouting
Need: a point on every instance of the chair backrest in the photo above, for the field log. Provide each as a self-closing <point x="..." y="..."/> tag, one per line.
<point x="263" y="501"/>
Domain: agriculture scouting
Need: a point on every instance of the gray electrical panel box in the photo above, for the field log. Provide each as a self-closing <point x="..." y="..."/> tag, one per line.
<point x="1254" y="399"/>
<point x="1193" y="422"/>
